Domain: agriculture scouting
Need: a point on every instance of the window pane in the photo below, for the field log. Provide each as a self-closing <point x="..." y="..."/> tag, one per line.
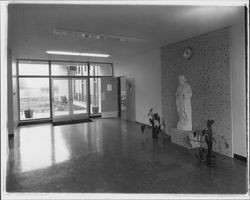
<point x="61" y="97"/>
<point x="34" y="98"/>
<point x="80" y="98"/>
<point x="100" y="69"/>
<point x="33" y="68"/>
<point x="95" y="95"/>
<point x="69" y="69"/>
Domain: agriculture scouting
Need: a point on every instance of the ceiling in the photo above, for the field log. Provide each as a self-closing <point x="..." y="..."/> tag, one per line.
<point x="31" y="27"/>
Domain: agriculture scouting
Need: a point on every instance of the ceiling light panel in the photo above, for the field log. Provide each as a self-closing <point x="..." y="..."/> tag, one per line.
<point x="68" y="53"/>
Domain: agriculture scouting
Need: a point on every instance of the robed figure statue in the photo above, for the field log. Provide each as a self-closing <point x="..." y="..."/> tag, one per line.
<point x="183" y="103"/>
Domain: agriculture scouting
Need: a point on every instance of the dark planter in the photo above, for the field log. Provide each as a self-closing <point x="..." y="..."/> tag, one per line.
<point x="95" y="109"/>
<point x="155" y="132"/>
<point x="28" y="113"/>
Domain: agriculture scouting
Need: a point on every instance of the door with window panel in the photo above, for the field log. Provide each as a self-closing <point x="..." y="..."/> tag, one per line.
<point x="79" y="97"/>
<point x="69" y="90"/>
<point x="69" y="98"/>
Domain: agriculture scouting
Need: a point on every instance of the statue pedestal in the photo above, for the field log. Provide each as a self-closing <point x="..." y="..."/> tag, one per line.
<point x="183" y="138"/>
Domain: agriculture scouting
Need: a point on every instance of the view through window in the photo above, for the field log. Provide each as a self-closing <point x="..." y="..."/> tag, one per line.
<point x="35" y="89"/>
<point x="34" y="98"/>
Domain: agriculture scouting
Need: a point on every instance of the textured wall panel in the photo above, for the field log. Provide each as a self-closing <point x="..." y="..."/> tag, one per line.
<point x="208" y="73"/>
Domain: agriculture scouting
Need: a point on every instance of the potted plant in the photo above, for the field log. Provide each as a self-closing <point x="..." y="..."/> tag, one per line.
<point x="28" y="113"/>
<point x="205" y="136"/>
<point x="95" y="109"/>
<point x="156" y="122"/>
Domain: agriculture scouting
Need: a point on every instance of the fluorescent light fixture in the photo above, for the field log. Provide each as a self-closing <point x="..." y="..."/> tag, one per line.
<point x="77" y="54"/>
<point x="89" y="35"/>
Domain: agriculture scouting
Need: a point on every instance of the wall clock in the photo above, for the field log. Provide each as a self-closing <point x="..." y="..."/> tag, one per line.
<point x="187" y="53"/>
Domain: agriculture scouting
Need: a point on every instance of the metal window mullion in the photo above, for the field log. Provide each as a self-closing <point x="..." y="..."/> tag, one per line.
<point x="88" y="88"/>
<point x="18" y="91"/>
<point x="50" y="92"/>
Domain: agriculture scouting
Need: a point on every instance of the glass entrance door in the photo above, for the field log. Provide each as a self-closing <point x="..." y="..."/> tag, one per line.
<point x="69" y="98"/>
<point x="79" y="98"/>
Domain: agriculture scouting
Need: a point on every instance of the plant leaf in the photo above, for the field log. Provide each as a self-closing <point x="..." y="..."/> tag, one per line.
<point x="150" y="111"/>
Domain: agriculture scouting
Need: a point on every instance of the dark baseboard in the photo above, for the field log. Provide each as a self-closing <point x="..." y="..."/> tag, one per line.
<point x="241" y="158"/>
<point x="95" y="116"/>
<point x="22" y="123"/>
<point x="71" y="122"/>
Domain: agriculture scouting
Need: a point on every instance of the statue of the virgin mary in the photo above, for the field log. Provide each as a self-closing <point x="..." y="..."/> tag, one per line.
<point x="183" y="103"/>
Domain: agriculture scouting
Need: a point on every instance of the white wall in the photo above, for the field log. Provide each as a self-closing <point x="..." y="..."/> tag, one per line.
<point x="146" y="69"/>
<point x="238" y="69"/>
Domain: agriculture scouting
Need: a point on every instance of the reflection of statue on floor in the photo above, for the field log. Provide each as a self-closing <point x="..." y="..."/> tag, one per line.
<point x="183" y="103"/>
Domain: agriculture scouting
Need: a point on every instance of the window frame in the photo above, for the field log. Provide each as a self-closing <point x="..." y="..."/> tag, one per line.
<point x="50" y="76"/>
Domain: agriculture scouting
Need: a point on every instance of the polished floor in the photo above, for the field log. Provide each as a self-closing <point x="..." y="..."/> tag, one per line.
<point x="112" y="156"/>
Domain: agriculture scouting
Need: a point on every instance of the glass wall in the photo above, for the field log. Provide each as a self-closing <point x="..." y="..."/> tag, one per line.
<point x="100" y="69"/>
<point x="69" y="69"/>
<point x="34" y="98"/>
<point x="35" y="87"/>
<point x="33" y="68"/>
<point x="34" y="92"/>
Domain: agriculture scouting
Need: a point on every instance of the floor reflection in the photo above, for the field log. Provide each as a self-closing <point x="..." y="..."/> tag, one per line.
<point x="34" y="154"/>
<point x="60" y="151"/>
<point x="111" y="155"/>
<point x="41" y="147"/>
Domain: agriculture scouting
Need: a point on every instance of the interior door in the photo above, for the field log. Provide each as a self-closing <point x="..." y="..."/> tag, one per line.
<point x="109" y="97"/>
<point x="130" y="103"/>
<point x="69" y="98"/>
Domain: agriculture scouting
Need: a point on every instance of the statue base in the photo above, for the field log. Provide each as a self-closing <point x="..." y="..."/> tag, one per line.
<point x="184" y="125"/>
<point x="183" y="138"/>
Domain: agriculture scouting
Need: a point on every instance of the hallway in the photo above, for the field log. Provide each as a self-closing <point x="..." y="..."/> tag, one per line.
<point x="112" y="156"/>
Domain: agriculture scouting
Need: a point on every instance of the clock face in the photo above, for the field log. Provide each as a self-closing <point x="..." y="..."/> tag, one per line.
<point x="187" y="53"/>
